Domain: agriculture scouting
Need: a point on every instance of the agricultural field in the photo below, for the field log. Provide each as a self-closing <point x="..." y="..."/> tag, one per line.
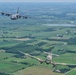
<point x="36" y="71"/>
<point x="42" y="38"/>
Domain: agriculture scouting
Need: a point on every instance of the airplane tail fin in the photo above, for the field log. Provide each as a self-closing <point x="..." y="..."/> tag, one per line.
<point x="18" y="10"/>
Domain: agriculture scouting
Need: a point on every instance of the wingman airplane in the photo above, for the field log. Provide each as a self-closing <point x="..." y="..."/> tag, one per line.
<point x="48" y="60"/>
<point x="14" y="16"/>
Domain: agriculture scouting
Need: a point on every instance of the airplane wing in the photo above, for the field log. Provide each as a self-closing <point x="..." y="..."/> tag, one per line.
<point x="24" y="17"/>
<point x="6" y="14"/>
<point x="26" y="54"/>
<point x="65" y="64"/>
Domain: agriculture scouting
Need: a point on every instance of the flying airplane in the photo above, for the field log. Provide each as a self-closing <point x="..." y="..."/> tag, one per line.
<point x="48" y="60"/>
<point x="14" y="16"/>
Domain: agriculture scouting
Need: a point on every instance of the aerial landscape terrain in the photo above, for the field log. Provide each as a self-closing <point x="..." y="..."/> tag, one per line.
<point x="50" y="27"/>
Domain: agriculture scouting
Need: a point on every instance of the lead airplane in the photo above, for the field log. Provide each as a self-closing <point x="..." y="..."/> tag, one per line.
<point x="14" y="16"/>
<point x="48" y="60"/>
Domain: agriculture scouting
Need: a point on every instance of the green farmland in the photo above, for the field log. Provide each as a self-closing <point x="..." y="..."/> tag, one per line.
<point x="38" y="39"/>
<point x="48" y="28"/>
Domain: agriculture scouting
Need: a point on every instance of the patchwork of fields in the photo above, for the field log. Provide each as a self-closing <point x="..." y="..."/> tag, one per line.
<point x="35" y="40"/>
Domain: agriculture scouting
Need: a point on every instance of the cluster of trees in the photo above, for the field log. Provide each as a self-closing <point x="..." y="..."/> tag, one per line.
<point x="72" y="66"/>
<point x="41" y="43"/>
<point x="64" y="70"/>
<point x="72" y="41"/>
<point x="3" y="73"/>
<point x="25" y="47"/>
<point x="65" y="51"/>
<point x="49" y="29"/>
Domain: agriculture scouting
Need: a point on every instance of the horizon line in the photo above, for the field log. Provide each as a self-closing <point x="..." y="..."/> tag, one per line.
<point x="42" y="1"/>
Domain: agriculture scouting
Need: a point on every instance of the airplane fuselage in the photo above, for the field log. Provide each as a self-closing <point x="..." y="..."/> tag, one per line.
<point x="14" y="16"/>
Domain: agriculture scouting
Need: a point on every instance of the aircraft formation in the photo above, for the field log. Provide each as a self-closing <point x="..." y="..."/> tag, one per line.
<point x="49" y="57"/>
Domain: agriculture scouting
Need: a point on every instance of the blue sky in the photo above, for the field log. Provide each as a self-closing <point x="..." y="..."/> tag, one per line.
<point x="37" y="0"/>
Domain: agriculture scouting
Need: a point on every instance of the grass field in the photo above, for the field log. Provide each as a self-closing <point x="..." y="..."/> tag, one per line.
<point x="4" y="55"/>
<point x="36" y="71"/>
<point x="9" y="67"/>
<point x="72" y="72"/>
<point x="66" y="58"/>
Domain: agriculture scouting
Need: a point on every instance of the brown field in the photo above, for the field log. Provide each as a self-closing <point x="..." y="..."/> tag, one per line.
<point x="22" y="39"/>
<point x="2" y="50"/>
<point x="36" y="71"/>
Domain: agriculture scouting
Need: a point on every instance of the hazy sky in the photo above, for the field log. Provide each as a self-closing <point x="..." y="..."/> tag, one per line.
<point x="37" y="0"/>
